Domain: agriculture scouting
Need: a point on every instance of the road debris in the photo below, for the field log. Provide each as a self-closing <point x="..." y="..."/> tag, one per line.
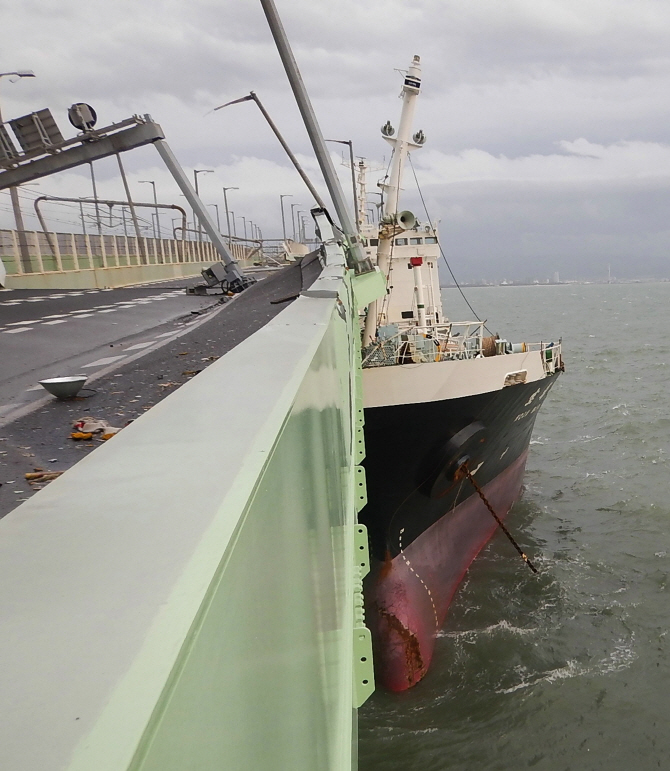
<point x="42" y="476"/>
<point x="87" y="428"/>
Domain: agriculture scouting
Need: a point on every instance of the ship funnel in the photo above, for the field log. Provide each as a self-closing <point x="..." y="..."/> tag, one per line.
<point x="406" y="220"/>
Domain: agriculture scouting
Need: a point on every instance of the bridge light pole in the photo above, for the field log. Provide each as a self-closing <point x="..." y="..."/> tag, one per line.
<point x="293" y="208"/>
<point x="13" y="191"/>
<point x="283" y="221"/>
<point x="197" y="192"/>
<point x="153" y="184"/>
<point x="225" y="201"/>
<point x="218" y="219"/>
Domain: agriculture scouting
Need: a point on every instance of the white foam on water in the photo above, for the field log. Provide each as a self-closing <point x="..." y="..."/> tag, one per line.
<point x="501" y="626"/>
<point x="571" y="669"/>
<point x="617" y="660"/>
<point x="585" y="438"/>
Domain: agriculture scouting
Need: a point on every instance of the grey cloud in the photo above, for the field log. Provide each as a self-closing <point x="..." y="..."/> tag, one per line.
<point x="513" y="79"/>
<point x="524" y="230"/>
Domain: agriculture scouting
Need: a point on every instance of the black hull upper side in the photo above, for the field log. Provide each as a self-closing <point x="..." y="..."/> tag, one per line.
<point x="413" y="452"/>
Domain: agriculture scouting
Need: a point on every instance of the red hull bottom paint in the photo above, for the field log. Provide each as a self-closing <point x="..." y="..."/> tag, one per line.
<point x="408" y="597"/>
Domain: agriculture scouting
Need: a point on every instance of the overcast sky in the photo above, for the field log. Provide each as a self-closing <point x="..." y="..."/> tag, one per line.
<point x="547" y="120"/>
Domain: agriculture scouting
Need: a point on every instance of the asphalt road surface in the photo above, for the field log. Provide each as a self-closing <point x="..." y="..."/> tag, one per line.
<point x="57" y="333"/>
<point x="125" y="389"/>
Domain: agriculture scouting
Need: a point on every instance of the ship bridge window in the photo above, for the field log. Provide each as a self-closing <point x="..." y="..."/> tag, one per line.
<point x="431" y="240"/>
<point x="401" y="242"/>
<point x="374" y="242"/>
<point x="415" y="241"/>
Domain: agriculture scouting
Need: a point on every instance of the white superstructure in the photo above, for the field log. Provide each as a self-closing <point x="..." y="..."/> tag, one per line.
<point x="407" y="325"/>
<point x="406" y="250"/>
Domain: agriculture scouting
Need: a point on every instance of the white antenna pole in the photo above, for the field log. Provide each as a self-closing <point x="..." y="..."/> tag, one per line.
<point x="401" y="145"/>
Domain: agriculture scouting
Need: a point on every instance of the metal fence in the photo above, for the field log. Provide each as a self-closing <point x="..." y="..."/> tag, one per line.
<point x="64" y="252"/>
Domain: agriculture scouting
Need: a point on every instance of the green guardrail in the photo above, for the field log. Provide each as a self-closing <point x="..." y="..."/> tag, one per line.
<point x="188" y="596"/>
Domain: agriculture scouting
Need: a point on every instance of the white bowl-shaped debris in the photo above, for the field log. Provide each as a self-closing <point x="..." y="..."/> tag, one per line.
<point x="64" y="387"/>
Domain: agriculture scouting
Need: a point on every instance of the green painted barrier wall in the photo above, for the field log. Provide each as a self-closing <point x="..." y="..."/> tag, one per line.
<point x="188" y="596"/>
<point x="265" y="677"/>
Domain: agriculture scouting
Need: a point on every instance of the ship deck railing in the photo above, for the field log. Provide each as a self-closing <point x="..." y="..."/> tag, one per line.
<point x="451" y="341"/>
<point x="414" y="344"/>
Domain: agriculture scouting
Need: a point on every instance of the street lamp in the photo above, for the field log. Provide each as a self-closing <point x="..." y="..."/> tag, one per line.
<point x="252" y="97"/>
<point x="304" y="221"/>
<point x="232" y="216"/>
<point x="298" y="220"/>
<point x="13" y="191"/>
<point x="218" y="221"/>
<point x="157" y="227"/>
<point x="244" y="222"/>
<point x="293" y="207"/>
<point x="353" y="170"/>
<point x="197" y="192"/>
<point x="283" y="221"/>
<point x="225" y="201"/>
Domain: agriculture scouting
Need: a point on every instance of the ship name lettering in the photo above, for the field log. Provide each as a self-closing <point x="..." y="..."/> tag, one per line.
<point x="532" y="397"/>
<point x="525" y="414"/>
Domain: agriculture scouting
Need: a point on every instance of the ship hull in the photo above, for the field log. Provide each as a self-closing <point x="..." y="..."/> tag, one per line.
<point x="426" y="522"/>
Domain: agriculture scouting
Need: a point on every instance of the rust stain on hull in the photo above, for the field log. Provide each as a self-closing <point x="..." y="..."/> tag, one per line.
<point x="414" y="666"/>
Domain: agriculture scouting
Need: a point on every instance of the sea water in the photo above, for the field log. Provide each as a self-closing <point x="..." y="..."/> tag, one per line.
<point x="570" y="668"/>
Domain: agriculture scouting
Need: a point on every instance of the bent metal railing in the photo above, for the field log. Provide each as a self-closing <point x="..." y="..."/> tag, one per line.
<point x="451" y="341"/>
<point x="407" y="344"/>
<point x="188" y="595"/>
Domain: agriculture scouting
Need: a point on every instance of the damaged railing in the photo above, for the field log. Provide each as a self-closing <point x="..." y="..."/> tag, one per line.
<point x="407" y="344"/>
<point x="451" y="341"/>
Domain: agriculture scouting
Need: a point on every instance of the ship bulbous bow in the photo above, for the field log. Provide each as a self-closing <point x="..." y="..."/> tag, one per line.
<point x="408" y="595"/>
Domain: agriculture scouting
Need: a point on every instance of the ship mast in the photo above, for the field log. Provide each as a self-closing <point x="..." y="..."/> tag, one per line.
<point x="362" y="194"/>
<point x="401" y="144"/>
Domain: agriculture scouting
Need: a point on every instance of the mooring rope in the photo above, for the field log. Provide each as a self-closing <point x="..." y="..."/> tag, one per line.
<point x="465" y="471"/>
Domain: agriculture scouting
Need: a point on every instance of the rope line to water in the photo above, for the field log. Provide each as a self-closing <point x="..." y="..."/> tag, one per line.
<point x="465" y="471"/>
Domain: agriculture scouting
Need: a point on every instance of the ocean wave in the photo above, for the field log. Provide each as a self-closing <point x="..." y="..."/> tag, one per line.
<point x="584" y="439"/>
<point x="424" y="731"/>
<point x="501" y="626"/>
<point x="619" y="659"/>
<point x="571" y="669"/>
